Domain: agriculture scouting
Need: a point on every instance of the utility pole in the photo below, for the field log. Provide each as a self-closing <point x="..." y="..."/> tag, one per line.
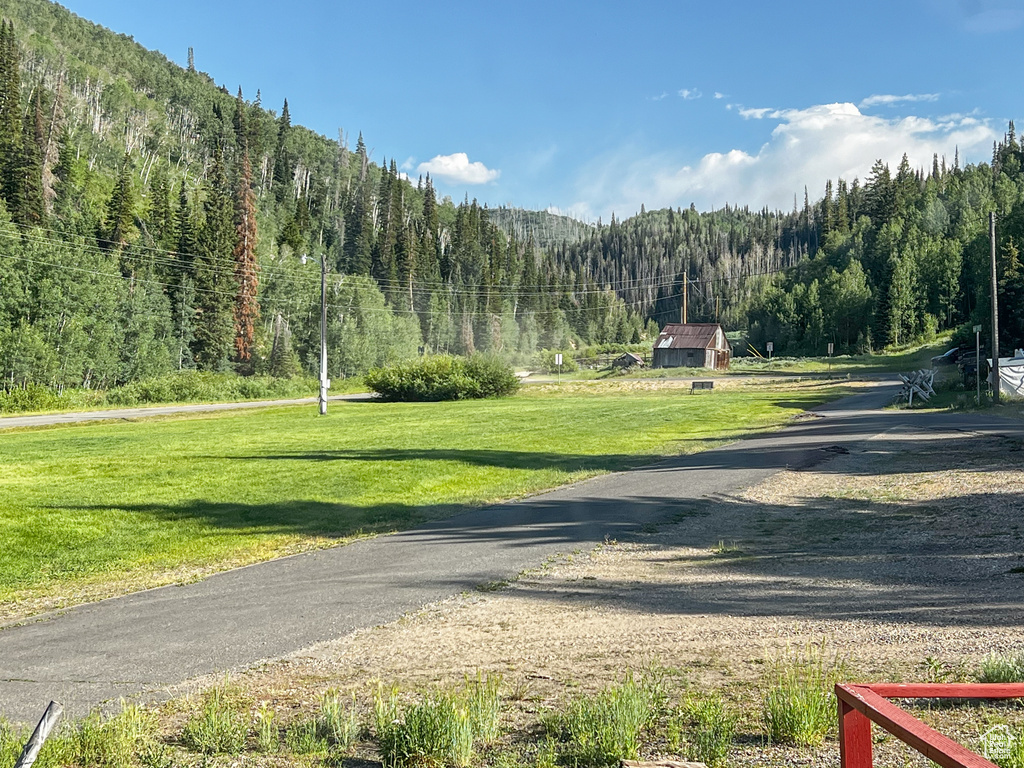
<point x="686" y="281"/>
<point x="995" y="310"/>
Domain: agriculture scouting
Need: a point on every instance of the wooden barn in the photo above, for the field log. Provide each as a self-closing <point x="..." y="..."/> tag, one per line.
<point x="692" y="345"/>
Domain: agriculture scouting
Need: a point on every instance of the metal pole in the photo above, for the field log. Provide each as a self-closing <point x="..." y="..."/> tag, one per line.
<point x="323" y="335"/>
<point x="35" y="743"/>
<point x="995" y="310"/>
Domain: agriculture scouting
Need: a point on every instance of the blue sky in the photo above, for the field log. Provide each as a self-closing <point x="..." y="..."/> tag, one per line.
<point x="595" y="107"/>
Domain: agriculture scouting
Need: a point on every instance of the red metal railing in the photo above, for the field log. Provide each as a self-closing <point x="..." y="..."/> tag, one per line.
<point x="861" y="705"/>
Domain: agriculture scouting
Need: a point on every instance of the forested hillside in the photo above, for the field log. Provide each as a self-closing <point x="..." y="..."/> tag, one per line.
<point x="153" y="222"/>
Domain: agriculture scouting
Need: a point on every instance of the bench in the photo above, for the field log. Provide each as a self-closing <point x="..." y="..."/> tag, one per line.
<point x="705" y="384"/>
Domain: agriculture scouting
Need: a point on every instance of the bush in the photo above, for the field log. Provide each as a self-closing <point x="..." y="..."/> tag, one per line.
<point x="441" y="730"/>
<point x="33" y="397"/>
<point x="218" y="728"/>
<point x="709" y="730"/>
<point x="1001" y="669"/>
<point x="204" y="386"/>
<point x="443" y="377"/>
<point x="546" y="361"/>
<point x="799" y="705"/>
<point x="602" y="729"/>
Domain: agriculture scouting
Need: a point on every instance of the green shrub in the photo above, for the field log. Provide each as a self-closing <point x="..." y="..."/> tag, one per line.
<point x="546" y="361"/>
<point x="206" y="386"/>
<point x="799" y="705"/>
<point x="604" y="728"/>
<point x="30" y="398"/>
<point x="1001" y="669"/>
<point x="218" y="728"/>
<point x="443" y="377"/>
<point x="705" y="728"/>
<point x="442" y="729"/>
<point x="303" y="738"/>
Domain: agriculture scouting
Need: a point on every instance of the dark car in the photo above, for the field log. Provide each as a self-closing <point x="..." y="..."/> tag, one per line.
<point x="952" y="357"/>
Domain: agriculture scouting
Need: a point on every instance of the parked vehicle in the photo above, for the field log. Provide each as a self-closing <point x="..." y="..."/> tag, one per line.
<point x="952" y="357"/>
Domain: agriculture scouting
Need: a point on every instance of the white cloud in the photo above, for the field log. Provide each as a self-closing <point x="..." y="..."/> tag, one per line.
<point x="690" y="93"/>
<point x="888" y="99"/>
<point x="660" y="96"/>
<point x="409" y="164"/>
<point x="719" y="95"/>
<point x="806" y="147"/>
<point x="457" y="169"/>
<point x="758" y="113"/>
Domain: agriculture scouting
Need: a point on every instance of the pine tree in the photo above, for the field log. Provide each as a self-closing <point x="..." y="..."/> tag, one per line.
<point x="247" y="308"/>
<point x="214" y="282"/>
<point x="283" y="168"/>
<point x="11" y="126"/>
<point x="120" y="228"/>
<point x="30" y="210"/>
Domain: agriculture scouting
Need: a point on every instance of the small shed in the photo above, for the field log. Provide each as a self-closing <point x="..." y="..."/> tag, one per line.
<point x="627" y="360"/>
<point x="692" y="345"/>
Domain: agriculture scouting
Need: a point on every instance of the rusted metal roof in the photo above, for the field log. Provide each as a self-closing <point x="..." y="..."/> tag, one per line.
<point x="690" y="336"/>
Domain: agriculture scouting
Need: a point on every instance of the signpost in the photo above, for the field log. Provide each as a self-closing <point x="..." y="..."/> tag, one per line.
<point x="831" y="347"/>
<point x="771" y="348"/>
<point x="977" y="359"/>
<point x="558" y="362"/>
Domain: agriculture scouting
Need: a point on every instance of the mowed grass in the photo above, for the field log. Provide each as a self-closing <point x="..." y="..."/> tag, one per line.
<point x="98" y="509"/>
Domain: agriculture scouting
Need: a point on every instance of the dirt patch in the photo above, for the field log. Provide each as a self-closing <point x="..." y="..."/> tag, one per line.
<point x="905" y="556"/>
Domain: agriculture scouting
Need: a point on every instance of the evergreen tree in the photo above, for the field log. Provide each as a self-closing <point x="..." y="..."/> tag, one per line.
<point x="29" y="205"/>
<point x="213" y="277"/>
<point x="283" y="166"/>
<point x="120" y="228"/>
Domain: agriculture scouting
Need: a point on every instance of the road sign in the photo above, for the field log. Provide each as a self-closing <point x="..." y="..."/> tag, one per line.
<point x="558" y="358"/>
<point x="831" y="347"/>
<point x="977" y="329"/>
<point x="771" y="347"/>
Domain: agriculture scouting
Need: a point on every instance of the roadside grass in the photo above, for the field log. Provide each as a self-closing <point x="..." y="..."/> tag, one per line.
<point x="1001" y="669"/>
<point x="603" y="728"/>
<point x="91" y="510"/>
<point x="799" y="705"/>
<point x="703" y="728"/>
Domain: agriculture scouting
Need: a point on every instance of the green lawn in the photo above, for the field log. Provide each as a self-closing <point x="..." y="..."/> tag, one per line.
<point x="96" y="509"/>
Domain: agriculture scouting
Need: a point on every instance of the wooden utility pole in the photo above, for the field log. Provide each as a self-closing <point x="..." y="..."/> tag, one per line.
<point x="995" y="309"/>
<point x="686" y="281"/>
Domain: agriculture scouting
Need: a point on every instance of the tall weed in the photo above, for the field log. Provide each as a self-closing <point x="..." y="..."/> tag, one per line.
<point x="1001" y="669"/>
<point x="799" y="705"/>
<point x="705" y="728"/>
<point x="219" y="727"/>
<point x="604" y="728"/>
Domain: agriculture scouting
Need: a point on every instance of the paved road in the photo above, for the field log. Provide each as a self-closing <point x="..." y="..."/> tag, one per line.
<point x="139" y="645"/>
<point x="49" y="419"/>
